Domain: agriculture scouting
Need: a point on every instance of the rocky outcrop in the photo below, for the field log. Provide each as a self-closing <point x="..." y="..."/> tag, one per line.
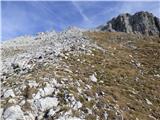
<point x="139" y="23"/>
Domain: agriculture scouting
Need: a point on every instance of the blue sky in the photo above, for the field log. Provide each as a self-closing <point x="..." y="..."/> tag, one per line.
<point x="28" y="18"/>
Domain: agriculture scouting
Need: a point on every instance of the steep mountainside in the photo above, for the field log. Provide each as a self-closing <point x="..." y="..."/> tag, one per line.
<point x="77" y="75"/>
<point x="139" y="23"/>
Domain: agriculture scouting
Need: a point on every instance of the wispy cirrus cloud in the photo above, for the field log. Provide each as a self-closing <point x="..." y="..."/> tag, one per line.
<point x="30" y="17"/>
<point x="80" y="10"/>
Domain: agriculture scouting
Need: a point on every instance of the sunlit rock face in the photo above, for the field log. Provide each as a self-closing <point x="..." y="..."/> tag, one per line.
<point x="139" y="23"/>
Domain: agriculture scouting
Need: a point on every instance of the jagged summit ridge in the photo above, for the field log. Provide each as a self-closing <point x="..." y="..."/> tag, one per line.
<point x="139" y="23"/>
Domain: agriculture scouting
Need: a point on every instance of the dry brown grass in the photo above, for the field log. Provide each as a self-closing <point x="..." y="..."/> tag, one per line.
<point x="119" y="73"/>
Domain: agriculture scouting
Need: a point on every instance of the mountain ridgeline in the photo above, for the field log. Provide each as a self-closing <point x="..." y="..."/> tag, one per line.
<point x="139" y="23"/>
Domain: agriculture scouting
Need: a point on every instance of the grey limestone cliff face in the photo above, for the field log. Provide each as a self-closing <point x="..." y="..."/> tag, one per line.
<point x="139" y="23"/>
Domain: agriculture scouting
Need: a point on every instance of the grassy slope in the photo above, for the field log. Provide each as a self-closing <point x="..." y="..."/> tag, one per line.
<point x="128" y="70"/>
<point x="129" y="83"/>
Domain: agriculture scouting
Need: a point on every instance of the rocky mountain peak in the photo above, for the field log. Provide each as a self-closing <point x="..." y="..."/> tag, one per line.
<point x="140" y="23"/>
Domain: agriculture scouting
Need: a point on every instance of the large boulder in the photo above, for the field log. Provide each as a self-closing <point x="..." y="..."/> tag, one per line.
<point x="44" y="104"/>
<point x="13" y="113"/>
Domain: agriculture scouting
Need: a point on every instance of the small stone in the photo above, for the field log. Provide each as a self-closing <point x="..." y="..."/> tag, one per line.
<point x="51" y="112"/>
<point x="65" y="57"/>
<point x="44" y="92"/>
<point x="9" y="93"/>
<point x="11" y="101"/>
<point x="37" y="96"/>
<point x="48" y="90"/>
<point x="46" y="103"/>
<point x="79" y="104"/>
<point x="1" y="112"/>
<point x="79" y="90"/>
<point x="105" y="116"/>
<point x="22" y="102"/>
<point x="93" y="78"/>
<point x="32" y="83"/>
<point x="148" y="102"/>
<point x="78" y="60"/>
<point x="54" y="81"/>
<point x="138" y="64"/>
<point x="157" y="75"/>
